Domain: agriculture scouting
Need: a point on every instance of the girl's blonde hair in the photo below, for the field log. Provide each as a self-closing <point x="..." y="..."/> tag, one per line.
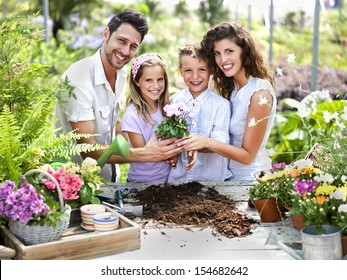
<point x="136" y="97"/>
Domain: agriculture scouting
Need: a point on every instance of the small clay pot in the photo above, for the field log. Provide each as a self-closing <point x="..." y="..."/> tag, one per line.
<point x="298" y="221"/>
<point x="269" y="210"/>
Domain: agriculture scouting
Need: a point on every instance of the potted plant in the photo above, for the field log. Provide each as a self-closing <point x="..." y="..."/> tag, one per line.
<point x="282" y="180"/>
<point x="264" y="196"/>
<point x="179" y="119"/>
<point x="41" y="200"/>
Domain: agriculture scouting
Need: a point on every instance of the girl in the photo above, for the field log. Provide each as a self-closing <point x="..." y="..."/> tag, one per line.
<point x="241" y="76"/>
<point x="149" y="93"/>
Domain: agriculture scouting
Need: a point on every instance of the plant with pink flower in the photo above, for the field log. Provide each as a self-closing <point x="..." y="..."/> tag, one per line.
<point x="179" y="119"/>
<point x="35" y="199"/>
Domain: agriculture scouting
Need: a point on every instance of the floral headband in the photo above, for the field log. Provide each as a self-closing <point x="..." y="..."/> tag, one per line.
<point x="140" y="60"/>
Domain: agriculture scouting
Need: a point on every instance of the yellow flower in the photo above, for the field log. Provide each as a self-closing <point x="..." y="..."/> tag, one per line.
<point x="325" y="189"/>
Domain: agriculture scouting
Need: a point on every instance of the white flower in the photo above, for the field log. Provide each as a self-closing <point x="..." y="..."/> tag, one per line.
<point x="301" y="163"/>
<point x="89" y="166"/>
<point x="252" y="122"/>
<point x="279" y="72"/>
<point x="291" y="58"/>
<point x="71" y="167"/>
<point x="342" y="208"/>
<point x="328" y="117"/>
<point x="338" y="194"/>
<point x="344" y="115"/>
<point x="303" y="111"/>
<point x="271" y="152"/>
<point x="325" y="178"/>
<point x="263" y="100"/>
<point x="343" y="178"/>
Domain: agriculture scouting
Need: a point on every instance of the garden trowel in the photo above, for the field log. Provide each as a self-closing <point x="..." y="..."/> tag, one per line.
<point x="127" y="209"/>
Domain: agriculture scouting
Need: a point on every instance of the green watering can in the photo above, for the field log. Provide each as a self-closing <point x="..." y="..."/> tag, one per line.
<point x="119" y="146"/>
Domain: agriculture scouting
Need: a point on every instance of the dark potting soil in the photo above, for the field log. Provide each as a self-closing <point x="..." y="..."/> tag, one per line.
<point x="193" y="204"/>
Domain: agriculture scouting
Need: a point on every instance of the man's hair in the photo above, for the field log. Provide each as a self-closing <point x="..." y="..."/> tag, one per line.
<point x="132" y="17"/>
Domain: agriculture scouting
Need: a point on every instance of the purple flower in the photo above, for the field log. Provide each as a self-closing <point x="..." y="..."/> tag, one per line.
<point x="304" y="186"/>
<point x="22" y="203"/>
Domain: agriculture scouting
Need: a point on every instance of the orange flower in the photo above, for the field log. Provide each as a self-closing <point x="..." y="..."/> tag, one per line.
<point x="321" y="199"/>
<point x="294" y="173"/>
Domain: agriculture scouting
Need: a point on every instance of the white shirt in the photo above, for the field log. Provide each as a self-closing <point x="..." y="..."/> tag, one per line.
<point x="240" y="101"/>
<point x="212" y="117"/>
<point x="94" y="100"/>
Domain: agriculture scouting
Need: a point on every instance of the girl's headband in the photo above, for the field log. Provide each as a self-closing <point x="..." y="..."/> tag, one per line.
<point x="140" y="60"/>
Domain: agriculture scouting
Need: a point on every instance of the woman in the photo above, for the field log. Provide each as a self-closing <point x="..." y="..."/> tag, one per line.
<point x="241" y="76"/>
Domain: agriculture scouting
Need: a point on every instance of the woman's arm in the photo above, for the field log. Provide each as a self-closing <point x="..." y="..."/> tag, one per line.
<point x="258" y="114"/>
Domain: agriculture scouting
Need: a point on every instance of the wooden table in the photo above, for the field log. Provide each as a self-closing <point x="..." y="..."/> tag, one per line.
<point x="177" y="243"/>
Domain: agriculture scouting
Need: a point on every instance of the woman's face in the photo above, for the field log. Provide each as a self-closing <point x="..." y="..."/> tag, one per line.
<point x="228" y="57"/>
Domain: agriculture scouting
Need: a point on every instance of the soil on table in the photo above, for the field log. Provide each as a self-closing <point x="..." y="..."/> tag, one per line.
<point x="193" y="204"/>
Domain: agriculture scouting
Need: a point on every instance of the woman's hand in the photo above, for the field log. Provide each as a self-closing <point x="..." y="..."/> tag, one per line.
<point x="193" y="142"/>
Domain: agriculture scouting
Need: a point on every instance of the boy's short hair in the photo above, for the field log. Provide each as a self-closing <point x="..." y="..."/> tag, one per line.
<point x="192" y="50"/>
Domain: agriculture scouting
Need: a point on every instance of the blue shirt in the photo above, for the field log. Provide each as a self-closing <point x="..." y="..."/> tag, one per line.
<point x="212" y="117"/>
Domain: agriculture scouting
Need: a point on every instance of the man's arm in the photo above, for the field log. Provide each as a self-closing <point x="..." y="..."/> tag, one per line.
<point x="153" y="151"/>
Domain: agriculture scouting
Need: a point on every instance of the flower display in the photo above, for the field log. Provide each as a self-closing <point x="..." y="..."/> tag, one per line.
<point x="283" y="180"/>
<point x="179" y="119"/>
<point x="35" y="199"/>
<point x="325" y="204"/>
<point x="79" y="184"/>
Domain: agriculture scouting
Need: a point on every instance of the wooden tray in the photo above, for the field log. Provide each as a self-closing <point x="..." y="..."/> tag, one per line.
<point x="77" y="243"/>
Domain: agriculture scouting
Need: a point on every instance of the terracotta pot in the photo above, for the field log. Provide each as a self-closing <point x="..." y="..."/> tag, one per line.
<point x="298" y="221"/>
<point x="269" y="210"/>
<point x="344" y="245"/>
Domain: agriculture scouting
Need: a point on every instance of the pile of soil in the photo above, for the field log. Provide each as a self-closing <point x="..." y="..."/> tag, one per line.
<point x="193" y="204"/>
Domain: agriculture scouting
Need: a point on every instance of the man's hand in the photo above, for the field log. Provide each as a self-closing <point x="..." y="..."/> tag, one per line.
<point x="160" y="150"/>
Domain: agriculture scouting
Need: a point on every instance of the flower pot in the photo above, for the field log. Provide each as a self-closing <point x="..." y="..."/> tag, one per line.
<point x="36" y="234"/>
<point x="105" y="221"/>
<point x="298" y="221"/>
<point x="269" y="210"/>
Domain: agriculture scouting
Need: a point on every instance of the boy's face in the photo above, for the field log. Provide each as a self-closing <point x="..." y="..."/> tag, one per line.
<point x="195" y="73"/>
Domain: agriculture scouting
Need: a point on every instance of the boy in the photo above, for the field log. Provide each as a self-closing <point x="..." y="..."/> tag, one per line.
<point x="212" y="118"/>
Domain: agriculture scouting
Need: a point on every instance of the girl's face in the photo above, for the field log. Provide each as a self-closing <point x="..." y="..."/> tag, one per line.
<point x="228" y="57"/>
<point x="195" y="74"/>
<point x="152" y="83"/>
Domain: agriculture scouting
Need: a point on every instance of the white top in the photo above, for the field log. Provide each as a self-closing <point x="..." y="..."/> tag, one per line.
<point x="141" y="172"/>
<point x="94" y="100"/>
<point x="212" y="117"/>
<point x="240" y="102"/>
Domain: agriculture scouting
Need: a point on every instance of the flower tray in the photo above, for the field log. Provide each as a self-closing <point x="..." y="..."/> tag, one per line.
<point x="77" y="243"/>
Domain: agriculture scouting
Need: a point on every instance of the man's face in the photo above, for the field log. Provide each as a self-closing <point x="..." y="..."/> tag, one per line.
<point x="121" y="47"/>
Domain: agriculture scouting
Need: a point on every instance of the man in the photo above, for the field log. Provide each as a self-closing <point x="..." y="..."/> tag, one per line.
<point x="99" y="84"/>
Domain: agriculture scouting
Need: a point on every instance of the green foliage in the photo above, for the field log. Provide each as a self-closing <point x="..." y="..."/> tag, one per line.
<point x="27" y="134"/>
<point x="212" y="11"/>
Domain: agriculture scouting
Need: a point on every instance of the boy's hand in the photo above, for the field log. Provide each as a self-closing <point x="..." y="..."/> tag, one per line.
<point x="192" y="156"/>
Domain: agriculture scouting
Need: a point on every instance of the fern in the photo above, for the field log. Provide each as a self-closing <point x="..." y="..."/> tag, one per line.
<point x="10" y="143"/>
<point x="34" y="145"/>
